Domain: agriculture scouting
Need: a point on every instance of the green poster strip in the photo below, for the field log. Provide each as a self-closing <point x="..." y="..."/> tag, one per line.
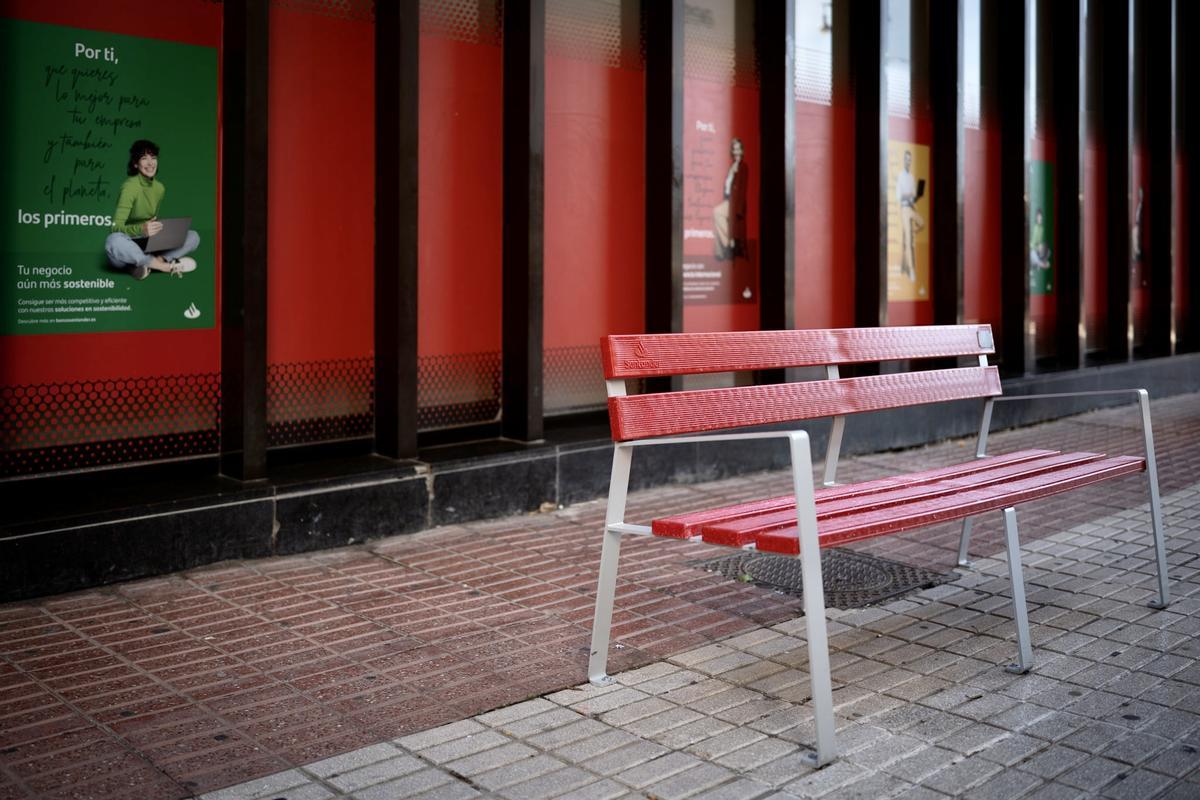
<point x="1041" y="227"/>
<point x="75" y="100"/>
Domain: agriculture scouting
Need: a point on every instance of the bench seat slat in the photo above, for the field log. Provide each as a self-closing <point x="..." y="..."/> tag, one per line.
<point x="666" y="414"/>
<point x="685" y="526"/>
<point x="896" y="519"/>
<point x="742" y="532"/>
<point x="650" y="355"/>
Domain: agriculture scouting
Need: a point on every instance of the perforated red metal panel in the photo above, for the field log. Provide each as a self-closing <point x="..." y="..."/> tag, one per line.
<point x="671" y="413"/>
<point x="651" y="355"/>
<point x="66" y="426"/>
<point x="471" y="21"/>
<point x="459" y="389"/>
<point x="572" y="379"/>
<point x="719" y="42"/>
<point x="601" y="31"/>
<point x="358" y="10"/>
<point x="320" y="401"/>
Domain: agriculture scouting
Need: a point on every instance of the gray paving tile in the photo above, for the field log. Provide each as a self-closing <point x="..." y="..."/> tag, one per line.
<point x="517" y="772"/>
<point x="593" y="747"/>
<point x="353" y="760"/>
<point x="378" y="772"/>
<point x="825" y="780"/>
<point x="689" y="782"/>
<point x="435" y="736"/>
<point x="461" y="748"/>
<point x="407" y="786"/>
<point x="605" y="789"/>
<point x="1092" y="774"/>
<point x="919" y="765"/>
<point x="962" y="775"/>
<point x="491" y="759"/>
<point x="1136" y="784"/>
<point x="1005" y="786"/>
<point x="551" y="784"/>
<point x="509" y="714"/>
<point x="628" y="757"/>
<point x="663" y="766"/>
<point x="252" y="790"/>
<point x="782" y="770"/>
<point x="455" y="790"/>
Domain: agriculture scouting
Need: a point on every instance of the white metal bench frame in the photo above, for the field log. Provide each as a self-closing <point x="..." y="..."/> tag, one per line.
<point x="820" y="675"/>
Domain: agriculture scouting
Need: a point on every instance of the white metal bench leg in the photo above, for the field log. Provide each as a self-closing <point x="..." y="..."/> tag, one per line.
<point x="985" y="423"/>
<point x="964" y="545"/>
<point x="1156" y="517"/>
<point x="1016" y="578"/>
<point x="606" y="585"/>
<point x="814" y="604"/>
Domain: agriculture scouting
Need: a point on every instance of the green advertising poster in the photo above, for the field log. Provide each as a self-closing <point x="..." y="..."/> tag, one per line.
<point x="1041" y="227"/>
<point x="74" y="102"/>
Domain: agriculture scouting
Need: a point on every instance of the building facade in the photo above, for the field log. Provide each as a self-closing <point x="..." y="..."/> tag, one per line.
<point x="416" y="219"/>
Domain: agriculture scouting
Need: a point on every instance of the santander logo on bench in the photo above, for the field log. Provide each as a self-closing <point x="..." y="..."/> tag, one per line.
<point x="643" y="360"/>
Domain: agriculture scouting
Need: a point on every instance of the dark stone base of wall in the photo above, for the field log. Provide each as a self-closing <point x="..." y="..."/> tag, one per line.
<point x="72" y="532"/>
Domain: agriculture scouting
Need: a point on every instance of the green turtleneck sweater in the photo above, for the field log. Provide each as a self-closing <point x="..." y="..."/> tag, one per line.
<point x="138" y="201"/>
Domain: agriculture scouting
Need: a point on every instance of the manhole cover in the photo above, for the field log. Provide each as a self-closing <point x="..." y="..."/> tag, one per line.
<point x="852" y="580"/>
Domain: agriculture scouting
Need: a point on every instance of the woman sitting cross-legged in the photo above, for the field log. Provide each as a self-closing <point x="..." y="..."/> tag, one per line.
<point x="136" y="218"/>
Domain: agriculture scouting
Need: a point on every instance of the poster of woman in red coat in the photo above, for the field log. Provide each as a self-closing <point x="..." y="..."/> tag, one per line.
<point x="729" y="215"/>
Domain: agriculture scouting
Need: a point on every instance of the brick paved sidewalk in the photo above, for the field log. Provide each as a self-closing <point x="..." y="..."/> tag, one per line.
<point x="182" y="685"/>
<point x="924" y="707"/>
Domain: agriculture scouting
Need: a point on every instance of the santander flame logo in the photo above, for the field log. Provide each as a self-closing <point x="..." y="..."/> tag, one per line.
<point x="642" y="360"/>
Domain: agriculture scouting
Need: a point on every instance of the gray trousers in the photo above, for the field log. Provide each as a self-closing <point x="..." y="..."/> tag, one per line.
<point x="124" y="253"/>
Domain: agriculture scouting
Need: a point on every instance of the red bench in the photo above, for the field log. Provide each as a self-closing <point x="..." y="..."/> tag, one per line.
<point x="802" y="523"/>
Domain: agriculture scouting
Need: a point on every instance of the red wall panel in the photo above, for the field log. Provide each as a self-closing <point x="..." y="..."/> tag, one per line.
<point x="460" y="197"/>
<point x="981" y="227"/>
<point x="321" y="188"/>
<point x="594" y="195"/>
<point x="824" y="227"/>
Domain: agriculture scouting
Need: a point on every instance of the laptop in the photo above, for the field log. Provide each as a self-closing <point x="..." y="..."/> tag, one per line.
<point x="174" y="231"/>
<point x="920" y="190"/>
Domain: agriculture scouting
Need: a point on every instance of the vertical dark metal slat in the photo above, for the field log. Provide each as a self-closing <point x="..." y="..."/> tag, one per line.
<point x="1160" y="194"/>
<point x="775" y="33"/>
<point x="945" y="94"/>
<point x="244" y="240"/>
<point x="1011" y="32"/>
<point x="1117" y="18"/>
<point x="664" y="165"/>
<point x="524" y="146"/>
<point x="663" y="26"/>
<point x="397" y="84"/>
<point x="1188" y="27"/>
<point x="866" y="22"/>
<point x="1070" y="124"/>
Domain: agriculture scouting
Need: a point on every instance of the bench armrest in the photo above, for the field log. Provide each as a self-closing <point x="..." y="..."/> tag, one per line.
<point x="713" y="437"/>
<point x="1090" y="393"/>
<point x="1143" y="398"/>
<point x="618" y="487"/>
<point x="985" y="422"/>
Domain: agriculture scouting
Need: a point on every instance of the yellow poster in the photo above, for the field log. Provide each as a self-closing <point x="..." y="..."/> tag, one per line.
<point x="908" y="222"/>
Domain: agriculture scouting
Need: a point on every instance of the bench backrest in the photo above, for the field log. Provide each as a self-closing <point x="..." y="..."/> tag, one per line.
<point x="669" y="413"/>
